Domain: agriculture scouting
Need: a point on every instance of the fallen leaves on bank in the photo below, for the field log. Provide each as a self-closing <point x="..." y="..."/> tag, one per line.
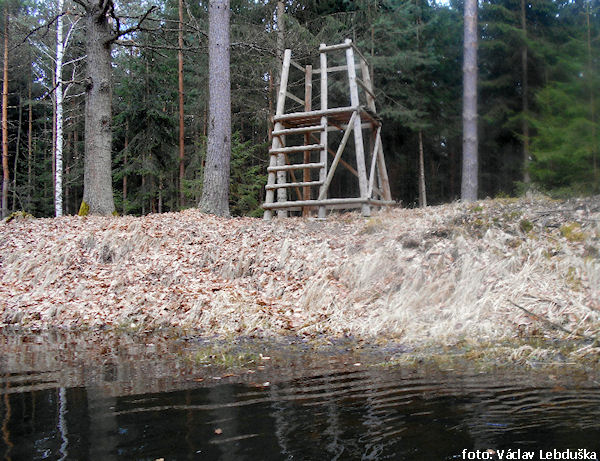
<point x="439" y="274"/>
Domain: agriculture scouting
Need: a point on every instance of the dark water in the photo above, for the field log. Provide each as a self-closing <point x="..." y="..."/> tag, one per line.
<point x="68" y="400"/>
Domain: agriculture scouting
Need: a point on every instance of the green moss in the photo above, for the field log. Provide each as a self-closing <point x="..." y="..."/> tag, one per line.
<point x="18" y="215"/>
<point x="84" y="209"/>
<point x="573" y="279"/>
<point x="525" y="225"/>
<point x="572" y="232"/>
<point x="372" y="226"/>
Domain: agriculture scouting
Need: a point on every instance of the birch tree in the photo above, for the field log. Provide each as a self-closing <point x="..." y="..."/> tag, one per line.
<point x="5" y="173"/>
<point x="215" y="191"/>
<point x="61" y="91"/>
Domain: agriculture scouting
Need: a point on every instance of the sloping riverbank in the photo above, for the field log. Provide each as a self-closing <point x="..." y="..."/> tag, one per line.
<point x="486" y="272"/>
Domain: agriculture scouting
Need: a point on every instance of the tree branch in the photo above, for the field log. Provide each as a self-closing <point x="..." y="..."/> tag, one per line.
<point x="120" y="33"/>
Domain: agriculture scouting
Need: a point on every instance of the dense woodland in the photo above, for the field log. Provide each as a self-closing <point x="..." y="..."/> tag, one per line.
<point x="539" y="75"/>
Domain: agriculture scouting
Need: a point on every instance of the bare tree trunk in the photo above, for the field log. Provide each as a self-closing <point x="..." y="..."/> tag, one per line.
<point x="29" y="148"/>
<point x="17" y="149"/>
<point x="125" y="168"/>
<point x="5" y="173"/>
<point x="97" y="182"/>
<point x="181" y="110"/>
<point x="470" y="141"/>
<point x="592" y="102"/>
<point x="215" y="192"/>
<point x="524" y="95"/>
<point x="58" y="147"/>
<point x="422" y="192"/>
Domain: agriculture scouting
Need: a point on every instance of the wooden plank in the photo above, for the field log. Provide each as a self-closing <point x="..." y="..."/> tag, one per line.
<point x="332" y="69"/>
<point x="295" y="166"/>
<point x="374" y="157"/>
<point x="329" y="201"/>
<point x="345" y="164"/>
<point x="294" y="184"/>
<point x="342" y="46"/>
<point x="358" y="138"/>
<point x="336" y="159"/>
<point x="362" y="56"/>
<point x="365" y="87"/>
<point x="315" y="113"/>
<point x="302" y="129"/>
<point x="287" y="150"/>
<point x="297" y="65"/>
<point x="294" y="98"/>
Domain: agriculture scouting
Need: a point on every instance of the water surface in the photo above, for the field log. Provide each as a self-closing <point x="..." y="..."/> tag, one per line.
<point x="146" y="398"/>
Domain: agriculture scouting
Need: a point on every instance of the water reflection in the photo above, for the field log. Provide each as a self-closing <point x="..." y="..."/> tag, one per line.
<point x="324" y="409"/>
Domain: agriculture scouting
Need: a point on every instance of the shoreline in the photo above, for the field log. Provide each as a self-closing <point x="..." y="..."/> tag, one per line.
<point x="445" y="275"/>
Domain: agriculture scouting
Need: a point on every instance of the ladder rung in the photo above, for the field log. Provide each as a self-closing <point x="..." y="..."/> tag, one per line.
<point x="293" y="184"/>
<point x="297" y="166"/>
<point x="285" y="150"/>
<point x="304" y="129"/>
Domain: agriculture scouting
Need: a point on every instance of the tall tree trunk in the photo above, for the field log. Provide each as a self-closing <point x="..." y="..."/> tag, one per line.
<point x="125" y="168"/>
<point x="592" y="102"/>
<point x="215" y="193"/>
<point x="181" y="110"/>
<point x="525" y="96"/>
<point x="422" y="192"/>
<point x="470" y="141"/>
<point x="17" y="151"/>
<point x="58" y="148"/>
<point x="97" y="181"/>
<point x="29" y="147"/>
<point x="5" y="173"/>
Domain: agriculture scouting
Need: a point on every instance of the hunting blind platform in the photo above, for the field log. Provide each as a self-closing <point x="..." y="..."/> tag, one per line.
<point x="302" y="141"/>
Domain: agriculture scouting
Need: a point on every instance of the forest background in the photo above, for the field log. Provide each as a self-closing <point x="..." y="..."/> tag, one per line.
<point x="538" y="107"/>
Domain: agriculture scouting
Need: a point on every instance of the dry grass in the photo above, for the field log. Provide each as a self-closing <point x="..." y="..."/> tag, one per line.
<point x="438" y="275"/>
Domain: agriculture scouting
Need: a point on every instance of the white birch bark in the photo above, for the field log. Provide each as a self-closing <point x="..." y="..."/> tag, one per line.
<point x="60" y="50"/>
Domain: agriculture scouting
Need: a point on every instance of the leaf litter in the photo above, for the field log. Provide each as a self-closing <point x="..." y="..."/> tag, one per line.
<point x="438" y="275"/>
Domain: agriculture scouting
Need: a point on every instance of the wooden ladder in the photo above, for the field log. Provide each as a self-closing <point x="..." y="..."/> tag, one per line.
<point x="310" y="122"/>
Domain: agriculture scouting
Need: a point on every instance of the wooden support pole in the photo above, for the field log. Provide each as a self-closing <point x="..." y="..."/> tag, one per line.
<point x="345" y="164"/>
<point x="306" y="159"/>
<point x="277" y="141"/>
<point x="323" y="157"/>
<point x="294" y="98"/>
<point x="383" y="176"/>
<point x="336" y="159"/>
<point x="282" y="175"/>
<point x="374" y="157"/>
<point x="358" y="138"/>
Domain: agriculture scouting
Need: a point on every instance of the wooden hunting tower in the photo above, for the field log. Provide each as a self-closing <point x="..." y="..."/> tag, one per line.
<point x="303" y="141"/>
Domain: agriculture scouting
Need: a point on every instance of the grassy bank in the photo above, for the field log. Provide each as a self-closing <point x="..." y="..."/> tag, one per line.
<point x="488" y="272"/>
